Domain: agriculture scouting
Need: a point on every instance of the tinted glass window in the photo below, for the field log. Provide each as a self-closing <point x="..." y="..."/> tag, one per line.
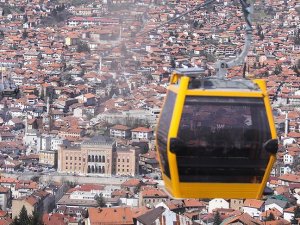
<point x="163" y="131"/>
<point x="223" y="140"/>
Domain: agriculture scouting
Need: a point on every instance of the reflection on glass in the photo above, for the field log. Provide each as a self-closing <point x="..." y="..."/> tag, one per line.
<point x="223" y="140"/>
<point x="163" y="130"/>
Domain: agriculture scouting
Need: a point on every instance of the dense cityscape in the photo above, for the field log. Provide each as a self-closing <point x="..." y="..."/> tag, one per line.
<point x="83" y="85"/>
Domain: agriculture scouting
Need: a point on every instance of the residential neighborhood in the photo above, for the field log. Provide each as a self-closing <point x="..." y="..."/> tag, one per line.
<point x="83" y="84"/>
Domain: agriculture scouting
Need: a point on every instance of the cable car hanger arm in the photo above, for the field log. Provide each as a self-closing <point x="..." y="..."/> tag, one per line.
<point x="223" y="66"/>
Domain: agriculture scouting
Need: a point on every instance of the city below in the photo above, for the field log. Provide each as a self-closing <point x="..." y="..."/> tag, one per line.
<point x="82" y="87"/>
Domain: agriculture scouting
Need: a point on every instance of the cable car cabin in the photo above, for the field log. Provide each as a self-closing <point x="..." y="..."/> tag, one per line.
<point x="215" y="137"/>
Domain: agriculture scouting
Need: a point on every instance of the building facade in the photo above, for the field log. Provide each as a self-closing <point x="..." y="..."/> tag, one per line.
<point x="126" y="162"/>
<point x="99" y="152"/>
<point x="48" y="158"/>
<point x="93" y="156"/>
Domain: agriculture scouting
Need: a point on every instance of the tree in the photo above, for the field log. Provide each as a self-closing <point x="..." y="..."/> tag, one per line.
<point x="173" y="63"/>
<point x="15" y="221"/>
<point x="297" y="38"/>
<point x="24" y="34"/>
<point x="100" y="200"/>
<point x="83" y="47"/>
<point x="217" y="219"/>
<point x="35" y="219"/>
<point x="1" y="34"/>
<point x="278" y="69"/>
<point x="36" y="178"/>
<point x="23" y="216"/>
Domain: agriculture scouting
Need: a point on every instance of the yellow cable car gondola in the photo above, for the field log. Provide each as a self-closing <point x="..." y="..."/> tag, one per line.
<point x="215" y="137"/>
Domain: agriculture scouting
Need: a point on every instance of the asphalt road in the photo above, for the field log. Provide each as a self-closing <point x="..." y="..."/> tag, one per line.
<point x="65" y="177"/>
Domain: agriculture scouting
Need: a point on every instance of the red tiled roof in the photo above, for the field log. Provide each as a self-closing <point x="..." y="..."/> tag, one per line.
<point x="290" y="178"/>
<point x="131" y="183"/>
<point x="120" y="127"/>
<point x="142" y="129"/>
<point x="86" y="187"/>
<point x="253" y="203"/>
<point x="116" y="216"/>
<point x="153" y="193"/>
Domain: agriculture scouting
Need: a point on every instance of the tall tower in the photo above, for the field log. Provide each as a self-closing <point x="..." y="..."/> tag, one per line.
<point x="286" y="125"/>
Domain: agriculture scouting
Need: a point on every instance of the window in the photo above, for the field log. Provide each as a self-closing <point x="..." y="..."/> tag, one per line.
<point x="223" y="140"/>
<point x="79" y="158"/>
<point x="66" y="157"/>
<point x="75" y="158"/>
<point x="128" y="160"/>
<point x="70" y="157"/>
<point x="163" y="131"/>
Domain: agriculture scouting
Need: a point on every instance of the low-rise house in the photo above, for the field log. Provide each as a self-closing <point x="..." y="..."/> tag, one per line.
<point x="162" y="213"/>
<point x="132" y="185"/>
<point x="280" y="205"/>
<point x="120" y="131"/>
<point x="149" y="161"/>
<point x="7" y="136"/>
<point x="75" y="212"/>
<point x="151" y="197"/>
<point x="108" y="216"/>
<point x="275" y="212"/>
<point x="48" y="158"/>
<point x="244" y="219"/>
<point x="5" y="198"/>
<point x="289" y="213"/>
<point x="39" y="201"/>
<point x="217" y="203"/>
<point x="253" y="207"/>
<point x="236" y="204"/>
<point x="10" y="165"/>
<point x="59" y="219"/>
<point x="141" y="133"/>
<point x="24" y="188"/>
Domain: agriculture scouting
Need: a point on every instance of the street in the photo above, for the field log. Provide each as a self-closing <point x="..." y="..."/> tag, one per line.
<point x="66" y="177"/>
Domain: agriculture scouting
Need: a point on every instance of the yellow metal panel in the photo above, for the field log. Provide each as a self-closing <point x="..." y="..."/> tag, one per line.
<point x="222" y="93"/>
<point x="156" y="142"/>
<point x="218" y="190"/>
<point x="262" y="85"/>
<point x="212" y="190"/>
<point x="174" y="126"/>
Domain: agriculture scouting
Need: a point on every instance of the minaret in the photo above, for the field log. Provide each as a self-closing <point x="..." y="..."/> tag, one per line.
<point x="48" y="106"/>
<point x="100" y="65"/>
<point x="286" y="125"/>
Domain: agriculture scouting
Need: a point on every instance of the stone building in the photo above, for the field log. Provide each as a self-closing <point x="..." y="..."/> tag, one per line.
<point x="99" y="156"/>
<point x="48" y="158"/>
<point x="71" y="159"/>
<point x="99" y="151"/>
<point x="126" y="159"/>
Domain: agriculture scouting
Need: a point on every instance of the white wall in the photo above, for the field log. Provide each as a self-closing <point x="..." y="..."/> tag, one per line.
<point x="217" y="203"/>
<point x="253" y="212"/>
